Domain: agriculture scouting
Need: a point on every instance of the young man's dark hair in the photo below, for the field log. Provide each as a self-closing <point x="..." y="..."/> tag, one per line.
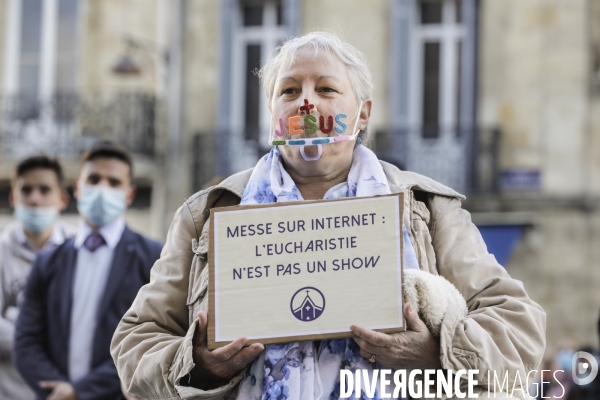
<point x="40" y="162"/>
<point x="108" y="149"/>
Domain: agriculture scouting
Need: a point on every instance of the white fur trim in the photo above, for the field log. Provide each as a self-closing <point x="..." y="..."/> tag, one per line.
<point x="431" y="295"/>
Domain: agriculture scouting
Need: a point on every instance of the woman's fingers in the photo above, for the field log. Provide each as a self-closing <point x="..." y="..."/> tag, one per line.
<point x="226" y="361"/>
<point x="247" y="355"/>
<point x="372" y="343"/>
<point x="234" y="364"/>
<point x="200" y="336"/>
<point x="370" y="348"/>
<point x="413" y="322"/>
<point x="376" y="338"/>
<point x="365" y="354"/>
<point x="234" y="356"/>
<point x="226" y="352"/>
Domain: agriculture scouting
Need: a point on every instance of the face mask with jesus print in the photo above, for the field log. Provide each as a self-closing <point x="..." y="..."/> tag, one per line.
<point x="304" y="130"/>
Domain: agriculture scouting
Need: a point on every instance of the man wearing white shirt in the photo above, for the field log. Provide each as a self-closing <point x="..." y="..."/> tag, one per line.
<point x="77" y="295"/>
<point x="38" y="196"/>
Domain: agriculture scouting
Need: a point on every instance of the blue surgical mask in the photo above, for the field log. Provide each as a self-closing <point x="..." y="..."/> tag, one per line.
<point x="101" y="205"/>
<point x="36" y="219"/>
<point x="564" y="359"/>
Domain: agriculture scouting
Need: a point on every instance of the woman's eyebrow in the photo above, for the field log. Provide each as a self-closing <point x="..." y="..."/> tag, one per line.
<point x="288" y="78"/>
<point x="328" y="77"/>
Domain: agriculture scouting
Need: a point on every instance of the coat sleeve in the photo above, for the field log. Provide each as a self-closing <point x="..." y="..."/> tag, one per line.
<point x="30" y="352"/>
<point x="152" y="346"/>
<point x="504" y="330"/>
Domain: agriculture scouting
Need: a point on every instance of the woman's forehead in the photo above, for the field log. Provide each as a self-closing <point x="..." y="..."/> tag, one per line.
<point x="315" y="64"/>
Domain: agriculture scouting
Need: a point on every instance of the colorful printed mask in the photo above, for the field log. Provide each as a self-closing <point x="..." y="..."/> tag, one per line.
<point x="302" y="130"/>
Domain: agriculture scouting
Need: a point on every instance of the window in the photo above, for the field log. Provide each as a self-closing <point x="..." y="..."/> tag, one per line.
<point x="431" y="89"/>
<point x="39" y="99"/>
<point x="66" y="46"/>
<point x="42" y="61"/>
<point x="30" y="54"/>
<point x="252" y="95"/>
<point x="433" y="80"/>
<point x="257" y="30"/>
<point x="438" y="40"/>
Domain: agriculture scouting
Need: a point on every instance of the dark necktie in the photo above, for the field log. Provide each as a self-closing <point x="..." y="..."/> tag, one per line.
<point x="94" y="241"/>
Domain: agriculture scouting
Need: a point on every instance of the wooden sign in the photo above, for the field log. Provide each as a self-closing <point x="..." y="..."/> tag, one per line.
<point x="298" y="271"/>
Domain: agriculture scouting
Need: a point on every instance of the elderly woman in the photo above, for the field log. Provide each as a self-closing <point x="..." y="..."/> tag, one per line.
<point x="489" y="323"/>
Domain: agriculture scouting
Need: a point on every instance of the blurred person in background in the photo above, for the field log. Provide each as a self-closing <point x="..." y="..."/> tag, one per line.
<point x="38" y="196"/>
<point x="562" y="381"/>
<point x="589" y="391"/>
<point x="76" y="294"/>
<point x="565" y="349"/>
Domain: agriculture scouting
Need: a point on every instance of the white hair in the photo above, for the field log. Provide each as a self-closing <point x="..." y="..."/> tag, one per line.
<point x="354" y="60"/>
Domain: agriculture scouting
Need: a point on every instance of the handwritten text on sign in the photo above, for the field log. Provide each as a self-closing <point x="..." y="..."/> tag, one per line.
<point x="306" y="270"/>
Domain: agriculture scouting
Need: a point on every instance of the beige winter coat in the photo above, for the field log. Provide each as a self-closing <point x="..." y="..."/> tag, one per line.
<point x="504" y="330"/>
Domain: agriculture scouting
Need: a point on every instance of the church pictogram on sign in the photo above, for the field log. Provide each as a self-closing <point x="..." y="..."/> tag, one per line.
<point x="307" y="304"/>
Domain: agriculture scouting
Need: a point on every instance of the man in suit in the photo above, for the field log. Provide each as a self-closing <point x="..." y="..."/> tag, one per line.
<point x="77" y="294"/>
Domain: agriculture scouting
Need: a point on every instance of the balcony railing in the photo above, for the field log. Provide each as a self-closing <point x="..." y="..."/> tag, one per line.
<point x="466" y="161"/>
<point x="68" y="123"/>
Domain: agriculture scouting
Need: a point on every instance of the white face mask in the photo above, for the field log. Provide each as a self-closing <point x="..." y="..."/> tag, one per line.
<point x="101" y="205"/>
<point x="276" y="134"/>
<point x="36" y="219"/>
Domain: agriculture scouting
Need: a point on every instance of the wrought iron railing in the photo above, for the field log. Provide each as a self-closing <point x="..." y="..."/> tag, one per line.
<point x="465" y="160"/>
<point x="67" y="124"/>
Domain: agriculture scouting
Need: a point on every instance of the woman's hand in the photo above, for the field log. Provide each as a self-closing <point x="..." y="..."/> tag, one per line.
<point x="215" y="368"/>
<point x="416" y="348"/>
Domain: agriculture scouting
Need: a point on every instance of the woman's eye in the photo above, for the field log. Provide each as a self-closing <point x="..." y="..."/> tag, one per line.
<point x="328" y="90"/>
<point x="288" y="91"/>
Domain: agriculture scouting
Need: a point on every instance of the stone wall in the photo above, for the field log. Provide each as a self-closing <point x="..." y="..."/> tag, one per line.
<point x="534" y="85"/>
<point x="201" y="89"/>
<point x="534" y="67"/>
<point x="107" y="24"/>
<point x="557" y="261"/>
<point x="593" y="151"/>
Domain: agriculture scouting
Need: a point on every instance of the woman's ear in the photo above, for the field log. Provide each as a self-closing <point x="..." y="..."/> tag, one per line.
<point x="365" y="114"/>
